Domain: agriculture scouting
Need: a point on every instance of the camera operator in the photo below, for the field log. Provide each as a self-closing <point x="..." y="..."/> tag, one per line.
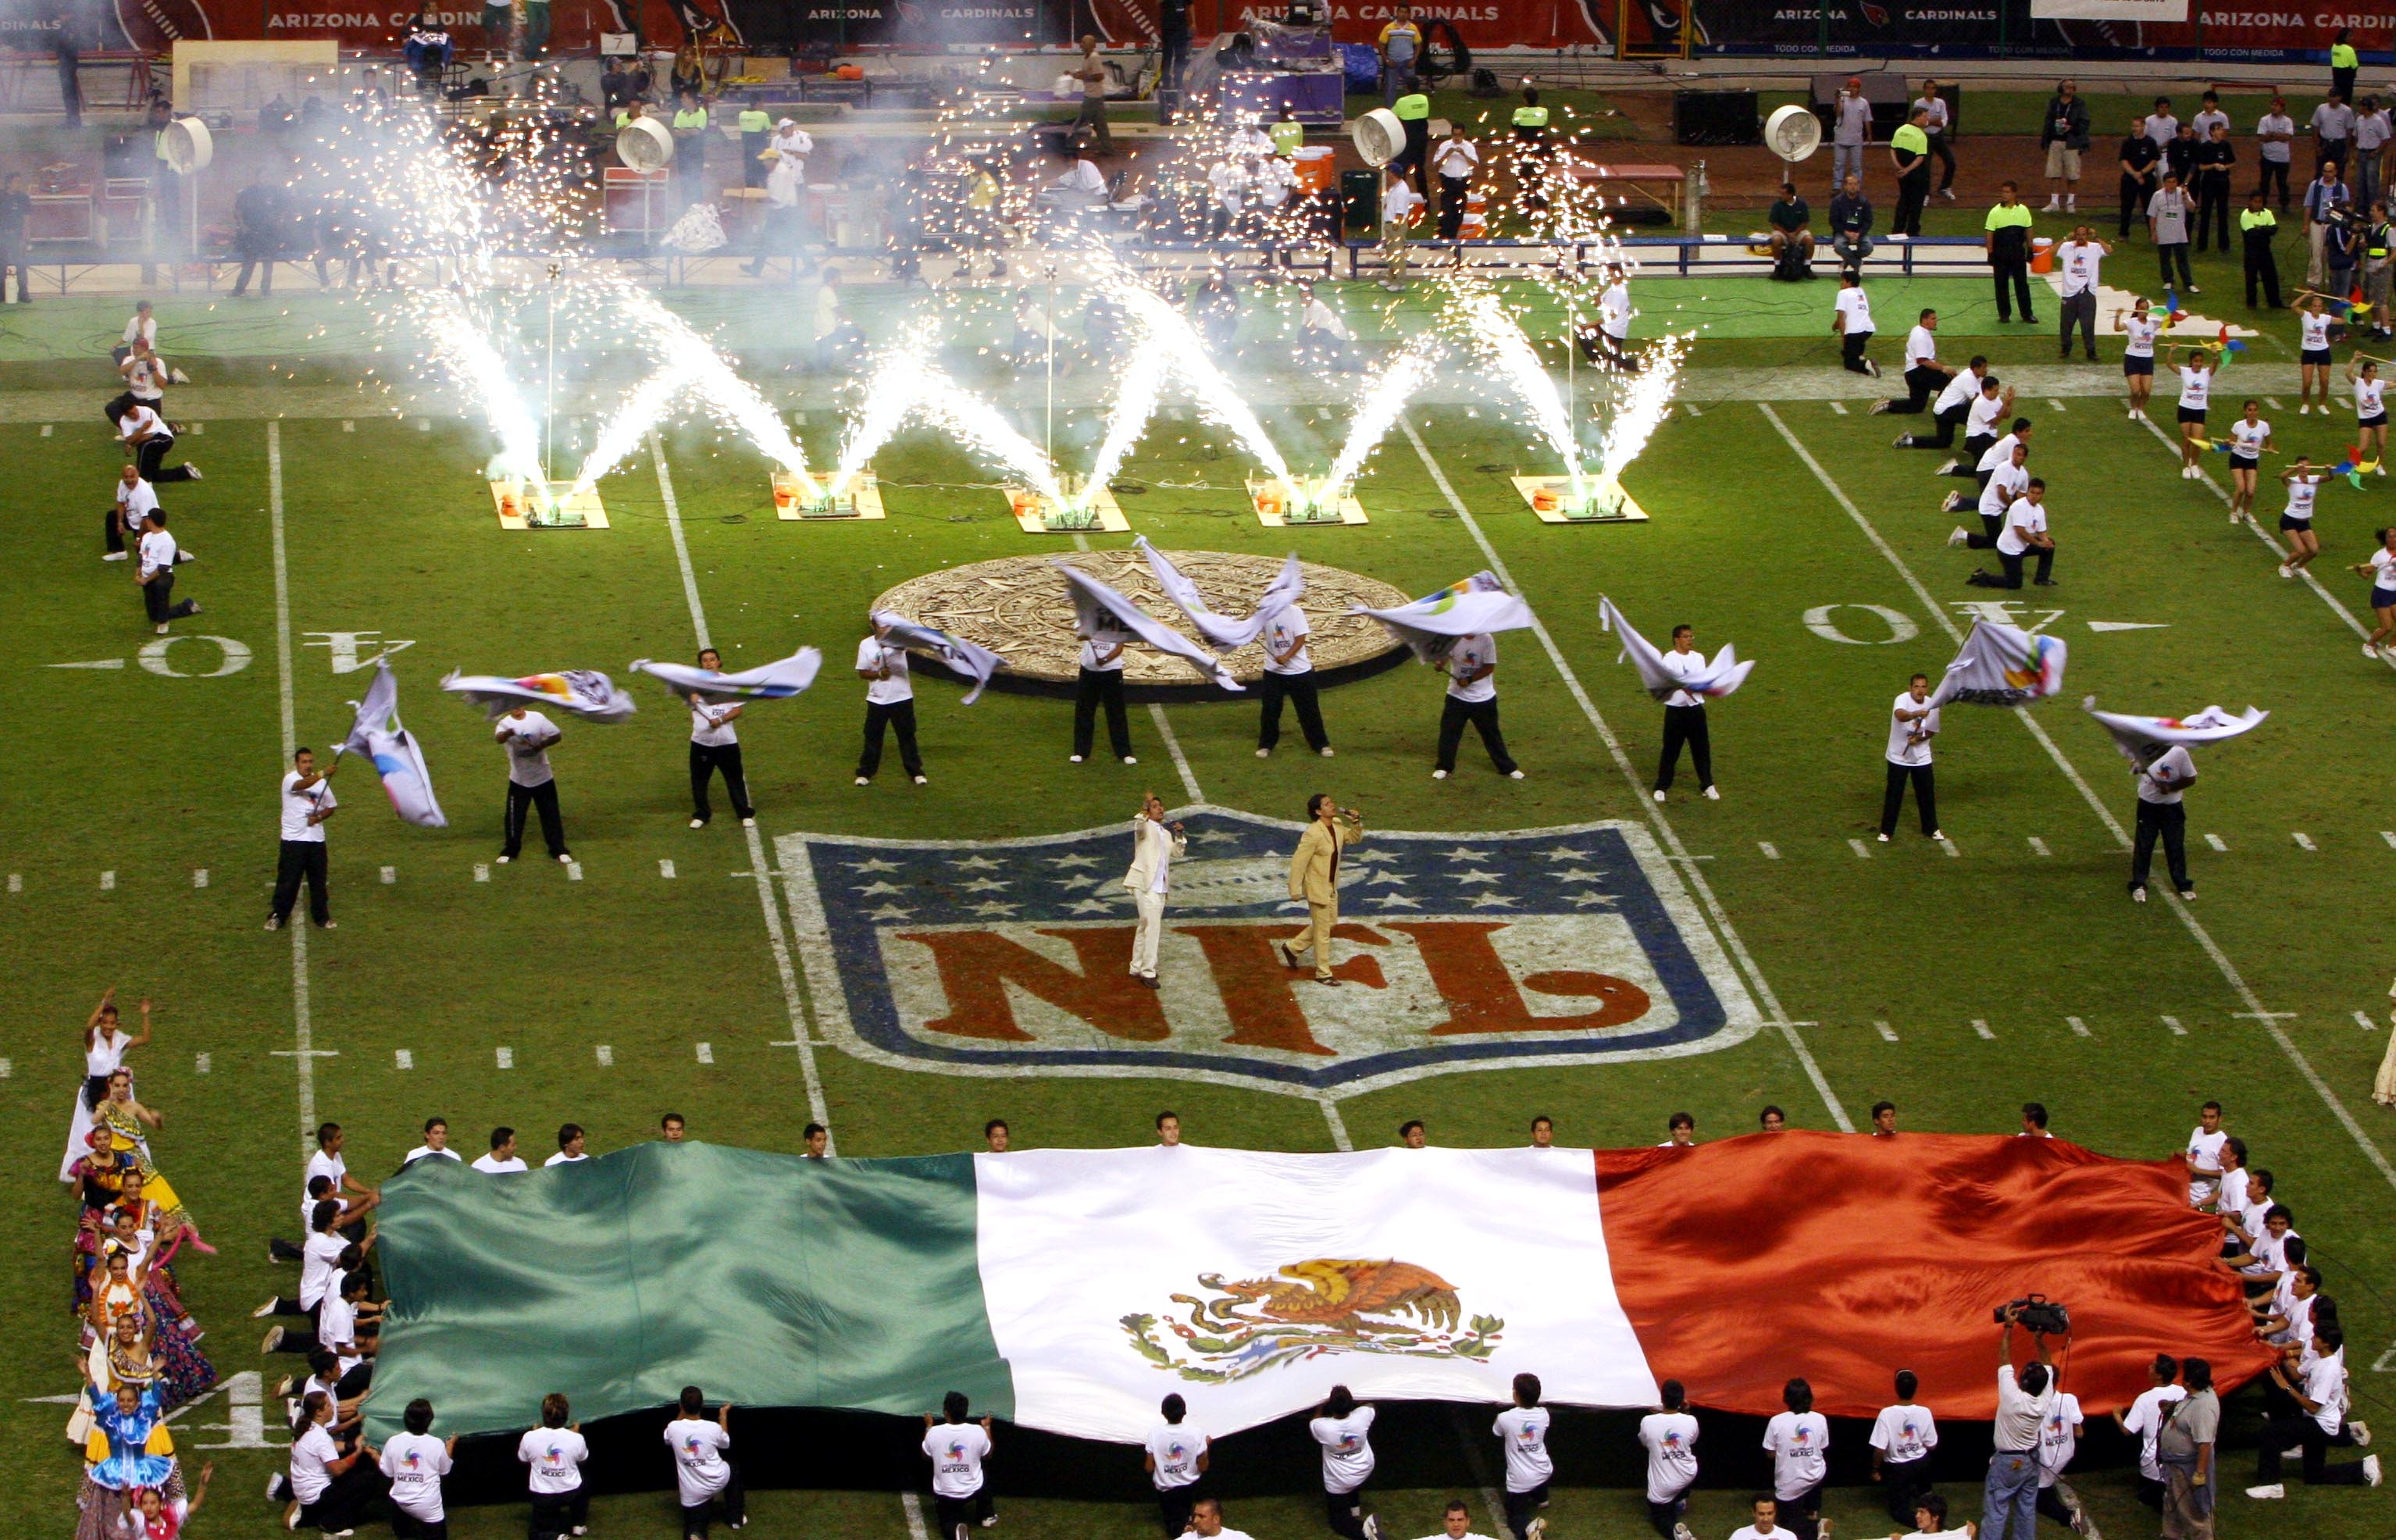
<point x="2022" y="1408"/>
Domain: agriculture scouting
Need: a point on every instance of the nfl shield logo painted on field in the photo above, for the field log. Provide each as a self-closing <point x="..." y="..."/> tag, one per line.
<point x="1534" y="946"/>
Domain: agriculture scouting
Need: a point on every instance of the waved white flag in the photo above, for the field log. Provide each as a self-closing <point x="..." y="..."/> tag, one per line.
<point x="1225" y="633"/>
<point x="376" y="735"/>
<point x="1099" y="608"/>
<point x="1432" y="624"/>
<point x="1720" y="676"/>
<point x="2140" y="739"/>
<point x="2003" y="666"/>
<point x="775" y="681"/>
<point x="976" y="662"/>
<point x="583" y="692"/>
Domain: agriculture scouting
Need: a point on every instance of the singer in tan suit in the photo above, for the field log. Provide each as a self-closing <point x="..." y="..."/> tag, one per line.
<point x="1314" y="877"/>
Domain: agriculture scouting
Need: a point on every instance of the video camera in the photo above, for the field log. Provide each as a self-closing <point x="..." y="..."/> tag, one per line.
<point x="2040" y="1314"/>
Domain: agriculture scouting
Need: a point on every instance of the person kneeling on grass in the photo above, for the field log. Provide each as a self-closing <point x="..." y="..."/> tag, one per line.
<point x="956" y="1449"/>
<point x="1851" y="322"/>
<point x="2319" y="1424"/>
<point x="701" y="1472"/>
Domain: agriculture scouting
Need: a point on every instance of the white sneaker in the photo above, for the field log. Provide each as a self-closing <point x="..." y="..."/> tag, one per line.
<point x="1514" y="774"/>
<point x="1883" y="838"/>
<point x="1072" y="759"/>
<point x="748" y="823"/>
<point x="922" y="781"/>
<point x="1947" y="468"/>
<point x="1713" y="793"/>
<point x="2371" y="1469"/>
<point x="1130" y="759"/>
<point x="1264" y="753"/>
<point x="1372" y="1526"/>
<point x="1959" y="537"/>
<point x="1660" y="796"/>
<point x="114" y="556"/>
<point x="565" y="860"/>
<point x="179" y="376"/>
<point x="162" y="628"/>
<point x="1878" y="407"/>
<point x="2138" y="894"/>
<point x="1940" y="835"/>
<point x="2370" y="651"/>
<point x="1681" y="1531"/>
<point x="1954" y="501"/>
<point x="505" y="859"/>
<point x="2052" y="208"/>
<point x="2286" y="571"/>
<point x="699" y="823"/>
<point x="2362" y="1432"/>
<point x="2267" y="1493"/>
<point x="1535" y="1529"/>
<point x="1326" y="751"/>
<point x="1438" y="775"/>
<point x="864" y="781"/>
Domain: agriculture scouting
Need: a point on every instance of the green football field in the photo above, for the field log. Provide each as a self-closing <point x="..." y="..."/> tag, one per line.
<point x="666" y="970"/>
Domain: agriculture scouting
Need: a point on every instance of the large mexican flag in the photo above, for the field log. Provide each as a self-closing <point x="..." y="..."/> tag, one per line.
<point x="1072" y="1288"/>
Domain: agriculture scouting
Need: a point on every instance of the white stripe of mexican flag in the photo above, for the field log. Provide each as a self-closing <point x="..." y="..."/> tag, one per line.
<point x="1253" y="1283"/>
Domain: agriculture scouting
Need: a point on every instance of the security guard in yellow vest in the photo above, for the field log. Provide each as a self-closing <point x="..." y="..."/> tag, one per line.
<point x="690" y="132"/>
<point x="1531" y="149"/>
<point x="754" y="127"/>
<point x="2257" y="228"/>
<point x="1413" y="110"/>
<point x="1531" y="119"/>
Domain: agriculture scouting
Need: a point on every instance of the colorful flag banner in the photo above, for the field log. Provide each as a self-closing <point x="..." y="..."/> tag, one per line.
<point x="397" y="759"/>
<point x="583" y="692"/>
<point x="1431" y="624"/>
<point x="1720" y="676"/>
<point x="1098" y="609"/>
<point x="1221" y="631"/>
<point x="2003" y="666"/>
<point x="2140" y="739"/>
<point x="1061" y="1290"/>
<point x="976" y="662"/>
<point x="776" y="680"/>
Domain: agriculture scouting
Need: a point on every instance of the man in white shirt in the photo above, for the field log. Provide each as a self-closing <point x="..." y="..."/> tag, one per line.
<point x="1456" y="1523"/>
<point x="553" y="1453"/>
<point x="414" y="1462"/>
<point x="2318" y="1424"/>
<point x="2144" y="1419"/>
<point x="1924" y="376"/>
<point x="2080" y="259"/>
<point x="1177" y="1457"/>
<point x="889" y="705"/>
<point x="1685" y="717"/>
<point x="1851" y="323"/>
<point x="714" y="746"/>
<point x="2333" y="126"/>
<point x="2371" y="134"/>
<point x="1953" y="405"/>
<point x="2161" y="782"/>
<point x="956" y="1449"/>
<point x="1523" y="1430"/>
<point x="307" y="801"/>
<point x="529" y="737"/>
<point x="1471" y="669"/>
<point x="150" y="436"/>
<point x="141" y="327"/>
<point x="1155" y="846"/>
<point x="338" y="1333"/>
<point x="2007" y="481"/>
<point x="2022" y="1407"/>
<point x="839" y="339"/>
<point x="155" y="573"/>
<point x="1400" y="206"/>
<point x="1100" y="683"/>
<point x="1453" y="161"/>
<point x="136" y="499"/>
<point x="1670" y="1436"/>
<point x="1343" y="1429"/>
<point x="436" y="1144"/>
<point x="1206" y="1521"/>
<point x="1289" y="672"/>
<point x="1767" y="1525"/>
<point x="2204" y="1143"/>
<point x="1982" y="423"/>
<point x="1914" y="722"/>
<point x="503" y="1158"/>
<point x="1851" y="125"/>
<point x="1614" y="315"/>
<point x="2024" y="532"/>
<point x="570" y="1139"/>
<point x="328" y="1162"/>
<point x="2274" y="132"/>
<point x="1082" y="179"/>
<point x="1322" y="333"/>
<point x="322" y="1260"/>
<point x="701" y="1472"/>
<point x="144" y="374"/>
<point x="1902" y="1437"/>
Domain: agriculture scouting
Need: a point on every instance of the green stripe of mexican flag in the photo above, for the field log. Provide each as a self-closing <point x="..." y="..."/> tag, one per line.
<point x="1067" y="1290"/>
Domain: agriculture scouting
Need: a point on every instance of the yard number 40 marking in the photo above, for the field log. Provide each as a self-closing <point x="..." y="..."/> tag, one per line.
<point x="344" y="647"/>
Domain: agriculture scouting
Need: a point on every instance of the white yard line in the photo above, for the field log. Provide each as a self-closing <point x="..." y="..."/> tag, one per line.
<point x="1173" y="747"/>
<point x="758" y="867"/>
<point x="2203" y="937"/>
<point x="303" y="1033"/>
<point x="1690" y="872"/>
<point x="1338" y="1124"/>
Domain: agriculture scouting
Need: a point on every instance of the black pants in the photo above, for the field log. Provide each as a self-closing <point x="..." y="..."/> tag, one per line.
<point x="1991" y="525"/>
<point x="1802" y="1513"/>
<point x="1097" y="686"/>
<point x="1925" y="802"/>
<point x="2012" y="577"/>
<point x="2212" y="210"/>
<point x="157" y="596"/>
<point x="300" y="859"/>
<point x="554" y="1514"/>
<point x="1345" y="1512"/>
<point x="1907" y="1481"/>
<point x="1523" y="1507"/>
<point x="2081" y="310"/>
<point x="752" y="165"/>
<point x="2274" y="171"/>
<point x="1451" y="205"/>
<point x="733" y="1498"/>
<point x="407" y="1526"/>
<point x="343" y="1503"/>
<point x="1685" y="724"/>
<point x="112" y="531"/>
<point x="2263" y="266"/>
<point x="2170" y="821"/>
<point x="1851" y="352"/>
<point x="151" y="452"/>
<point x="899" y="717"/>
<point x="1299" y="689"/>
<point x="1946" y="153"/>
<point x="2169" y="253"/>
<point x="1912" y="191"/>
<point x="2283" y="1432"/>
<point x="2137" y="193"/>
<point x="2326" y="150"/>
<point x="1665" y="1516"/>
<point x="2016" y="270"/>
<point x="253" y="258"/>
<point x="2051" y="1506"/>
<point x="1922" y="383"/>
<point x="704" y="761"/>
<point x="1976" y="446"/>
<point x="1177" y="59"/>
<point x="552" y="826"/>
<point x="1482" y="714"/>
<point x="1947" y="422"/>
<point x="954" y="1515"/>
<point x="1173" y="1505"/>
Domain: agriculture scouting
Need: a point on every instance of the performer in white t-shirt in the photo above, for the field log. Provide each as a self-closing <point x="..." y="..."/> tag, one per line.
<point x="2204" y="1142"/>
<point x="2303" y="481"/>
<point x="414" y="1462"/>
<point x="1289" y="673"/>
<point x="1471" y="669"/>
<point x="2196" y="371"/>
<point x="2250" y="440"/>
<point x="2138" y="354"/>
<point x="1523" y="1428"/>
<point x="1902" y="1437"/>
<point x="702" y="1474"/>
<point x="1799" y="1440"/>
<point x="1851" y="323"/>
<point x="552" y="1455"/>
<point x="716" y="745"/>
<point x="307" y="802"/>
<point x="1177" y="1457"/>
<point x="1343" y="1428"/>
<point x="1913" y="723"/>
<point x="1670" y="1436"/>
<point x="2381" y="570"/>
<point x="889" y="703"/>
<point x="956" y="1448"/>
<point x="2161" y="781"/>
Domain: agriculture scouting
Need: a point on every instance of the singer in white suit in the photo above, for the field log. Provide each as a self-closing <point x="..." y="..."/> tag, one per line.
<point x="1155" y="845"/>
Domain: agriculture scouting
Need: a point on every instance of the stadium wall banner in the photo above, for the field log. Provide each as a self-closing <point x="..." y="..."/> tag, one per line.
<point x="2060" y="29"/>
<point x="1069" y="1290"/>
<point x="2109" y="11"/>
